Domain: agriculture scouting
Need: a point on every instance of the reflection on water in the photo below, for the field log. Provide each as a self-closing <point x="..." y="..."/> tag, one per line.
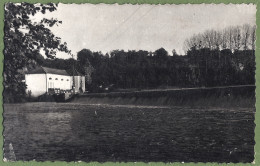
<point x="53" y="126"/>
<point x="49" y="122"/>
<point x="69" y="132"/>
<point x="37" y="130"/>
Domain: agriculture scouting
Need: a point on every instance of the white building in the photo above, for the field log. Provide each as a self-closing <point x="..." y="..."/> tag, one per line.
<point x="45" y="80"/>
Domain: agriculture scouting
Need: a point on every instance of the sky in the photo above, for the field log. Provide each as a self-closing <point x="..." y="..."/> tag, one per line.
<point x="106" y="27"/>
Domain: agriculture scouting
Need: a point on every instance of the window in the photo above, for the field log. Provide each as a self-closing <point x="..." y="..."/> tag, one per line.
<point x="67" y="79"/>
<point x="56" y="78"/>
<point x="61" y="79"/>
<point x="50" y="78"/>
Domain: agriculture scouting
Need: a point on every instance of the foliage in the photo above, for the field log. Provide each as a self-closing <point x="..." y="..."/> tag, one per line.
<point x="213" y="58"/>
<point x="218" y="59"/>
<point x="232" y="38"/>
<point x="144" y="70"/>
<point x="24" y="39"/>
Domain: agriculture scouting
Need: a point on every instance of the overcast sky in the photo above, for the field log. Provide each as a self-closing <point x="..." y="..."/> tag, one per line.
<point x="104" y="27"/>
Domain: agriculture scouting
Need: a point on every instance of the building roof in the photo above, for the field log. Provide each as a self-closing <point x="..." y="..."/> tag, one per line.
<point x="55" y="71"/>
<point x="46" y="70"/>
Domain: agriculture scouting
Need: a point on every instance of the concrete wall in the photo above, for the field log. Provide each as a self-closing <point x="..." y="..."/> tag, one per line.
<point x="83" y="83"/>
<point x="59" y="81"/>
<point x="36" y="83"/>
<point x="79" y="82"/>
<point x="223" y="97"/>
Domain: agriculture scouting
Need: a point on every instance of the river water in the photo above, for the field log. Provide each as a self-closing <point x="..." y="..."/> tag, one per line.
<point x="78" y="132"/>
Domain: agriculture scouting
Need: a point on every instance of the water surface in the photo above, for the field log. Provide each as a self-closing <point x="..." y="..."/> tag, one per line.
<point x="73" y="132"/>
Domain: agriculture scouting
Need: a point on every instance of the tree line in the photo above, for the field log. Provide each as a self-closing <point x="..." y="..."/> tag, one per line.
<point x="144" y="70"/>
<point x="212" y="58"/>
<point x="232" y="38"/>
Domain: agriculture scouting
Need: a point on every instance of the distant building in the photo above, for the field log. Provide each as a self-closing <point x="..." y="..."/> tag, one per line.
<point x="43" y="80"/>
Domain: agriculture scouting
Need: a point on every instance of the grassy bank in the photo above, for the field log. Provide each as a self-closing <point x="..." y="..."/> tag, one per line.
<point x="235" y="96"/>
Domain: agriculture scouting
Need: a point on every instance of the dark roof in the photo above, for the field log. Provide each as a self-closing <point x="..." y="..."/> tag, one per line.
<point x="55" y="71"/>
<point x="41" y="70"/>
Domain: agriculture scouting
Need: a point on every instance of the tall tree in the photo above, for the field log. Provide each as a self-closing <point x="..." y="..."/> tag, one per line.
<point x="23" y="40"/>
<point x="237" y="37"/>
<point x="245" y="36"/>
<point x="253" y="37"/>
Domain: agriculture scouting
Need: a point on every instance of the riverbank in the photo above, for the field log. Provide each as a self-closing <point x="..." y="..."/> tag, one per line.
<point x="231" y="96"/>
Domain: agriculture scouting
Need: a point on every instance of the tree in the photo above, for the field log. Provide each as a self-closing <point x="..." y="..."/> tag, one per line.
<point x="230" y="38"/>
<point x="233" y="38"/>
<point x="85" y="59"/>
<point x="23" y="40"/>
<point x="192" y="43"/>
<point x="161" y="53"/>
<point x="253" y="37"/>
<point x="245" y="36"/>
<point x="174" y="53"/>
<point x="84" y="56"/>
<point x="237" y="37"/>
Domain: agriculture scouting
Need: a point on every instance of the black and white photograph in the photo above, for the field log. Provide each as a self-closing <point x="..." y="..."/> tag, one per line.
<point x="129" y="83"/>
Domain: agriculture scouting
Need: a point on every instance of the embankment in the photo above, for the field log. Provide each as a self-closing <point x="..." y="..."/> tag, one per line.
<point x="232" y="96"/>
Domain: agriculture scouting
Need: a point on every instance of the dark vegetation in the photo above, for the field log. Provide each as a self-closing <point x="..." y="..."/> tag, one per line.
<point x="220" y="63"/>
<point x="144" y="70"/>
<point x="227" y="97"/>
<point x="23" y="40"/>
<point x="213" y="58"/>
